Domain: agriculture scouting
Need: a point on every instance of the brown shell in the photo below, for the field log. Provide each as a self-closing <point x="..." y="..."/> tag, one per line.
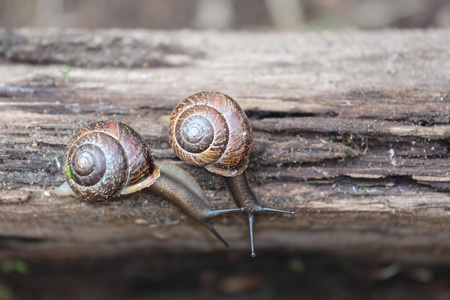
<point x="105" y="158"/>
<point x="227" y="137"/>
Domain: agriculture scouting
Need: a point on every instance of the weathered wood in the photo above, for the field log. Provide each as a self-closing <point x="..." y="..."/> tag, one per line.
<point x="351" y="131"/>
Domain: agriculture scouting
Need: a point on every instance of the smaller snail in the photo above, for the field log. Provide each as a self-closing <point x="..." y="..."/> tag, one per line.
<point x="209" y="129"/>
<point x="106" y="159"/>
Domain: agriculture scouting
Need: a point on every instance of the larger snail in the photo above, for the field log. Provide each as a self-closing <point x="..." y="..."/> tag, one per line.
<point x="106" y="159"/>
<point x="209" y="129"/>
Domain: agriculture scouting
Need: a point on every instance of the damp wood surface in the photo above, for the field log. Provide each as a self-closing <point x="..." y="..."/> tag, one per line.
<point x="351" y="132"/>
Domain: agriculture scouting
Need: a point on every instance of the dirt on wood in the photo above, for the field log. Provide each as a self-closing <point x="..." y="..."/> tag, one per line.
<point x="351" y="132"/>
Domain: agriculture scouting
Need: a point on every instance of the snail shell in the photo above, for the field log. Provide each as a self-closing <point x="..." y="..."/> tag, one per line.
<point x="209" y="129"/>
<point x="108" y="158"/>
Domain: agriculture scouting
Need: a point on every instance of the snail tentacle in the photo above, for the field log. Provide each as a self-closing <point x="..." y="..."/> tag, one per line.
<point x="185" y="199"/>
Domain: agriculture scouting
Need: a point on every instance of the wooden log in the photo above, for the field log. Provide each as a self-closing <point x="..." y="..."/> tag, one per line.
<point x="351" y="132"/>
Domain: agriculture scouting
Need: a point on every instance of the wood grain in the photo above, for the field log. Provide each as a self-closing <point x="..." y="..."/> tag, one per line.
<point x="351" y="131"/>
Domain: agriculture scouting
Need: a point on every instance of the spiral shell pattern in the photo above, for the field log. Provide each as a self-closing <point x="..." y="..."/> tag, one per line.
<point x="104" y="158"/>
<point x="209" y="129"/>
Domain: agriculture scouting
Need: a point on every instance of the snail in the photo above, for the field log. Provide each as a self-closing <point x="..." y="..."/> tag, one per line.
<point x="106" y="159"/>
<point x="209" y="129"/>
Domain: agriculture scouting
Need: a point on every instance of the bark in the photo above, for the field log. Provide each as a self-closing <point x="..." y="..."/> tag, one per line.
<point x="351" y="132"/>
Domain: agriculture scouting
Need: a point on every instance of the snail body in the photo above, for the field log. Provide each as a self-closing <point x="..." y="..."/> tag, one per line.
<point x="209" y="129"/>
<point x="106" y="159"/>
